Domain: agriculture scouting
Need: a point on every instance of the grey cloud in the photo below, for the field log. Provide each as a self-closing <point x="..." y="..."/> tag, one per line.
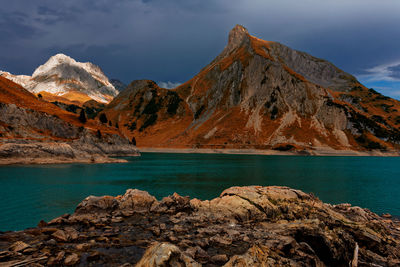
<point x="15" y="26"/>
<point x="395" y="72"/>
<point x="49" y="15"/>
<point x="172" y="40"/>
<point x="386" y="72"/>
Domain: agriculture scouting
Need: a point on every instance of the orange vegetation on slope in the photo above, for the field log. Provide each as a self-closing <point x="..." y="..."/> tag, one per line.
<point x="261" y="47"/>
<point x="12" y="93"/>
<point x="217" y="121"/>
<point x="49" y="97"/>
<point x="241" y="54"/>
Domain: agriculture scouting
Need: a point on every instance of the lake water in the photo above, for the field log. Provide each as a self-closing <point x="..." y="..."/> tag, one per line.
<point x="31" y="193"/>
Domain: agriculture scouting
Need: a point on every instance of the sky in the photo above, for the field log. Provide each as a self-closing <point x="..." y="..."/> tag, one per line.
<point x="169" y="41"/>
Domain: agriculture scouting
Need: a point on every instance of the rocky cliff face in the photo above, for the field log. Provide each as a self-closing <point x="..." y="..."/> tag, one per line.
<point x="62" y="76"/>
<point x="261" y="94"/>
<point x="35" y="131"/>
<point x="244" y="226"/>
<point x="120" y="86"/>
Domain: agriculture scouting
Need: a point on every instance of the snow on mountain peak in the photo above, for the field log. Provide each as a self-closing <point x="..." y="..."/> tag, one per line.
<point x="62" y="74"/>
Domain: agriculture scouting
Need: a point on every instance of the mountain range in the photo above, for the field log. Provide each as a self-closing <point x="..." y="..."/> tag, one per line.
<point x="255" y="94"/>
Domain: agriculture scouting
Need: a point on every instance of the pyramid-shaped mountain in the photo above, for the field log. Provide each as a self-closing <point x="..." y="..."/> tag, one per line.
<point x="260" y="94"/>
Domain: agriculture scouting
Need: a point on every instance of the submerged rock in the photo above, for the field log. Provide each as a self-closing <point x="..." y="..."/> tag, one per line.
<point x="244" y="226"/>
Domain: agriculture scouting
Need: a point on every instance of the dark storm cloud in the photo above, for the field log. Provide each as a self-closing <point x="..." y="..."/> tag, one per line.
<point x="48" y="15"/>
<point x="172" y="40"/>
<point x="395" y="72"/>
<point x="15" y="25"/>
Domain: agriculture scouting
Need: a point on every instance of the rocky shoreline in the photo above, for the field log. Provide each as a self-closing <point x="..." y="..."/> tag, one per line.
<point x="84" y="148"/>
<point x="244" y="226"/>
<point x="52" y="152"/>
<point x="271" y="152"/>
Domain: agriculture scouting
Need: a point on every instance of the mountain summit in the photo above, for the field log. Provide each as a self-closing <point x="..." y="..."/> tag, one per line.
<point x="236" y="37"/>
<point x="260" y="94"/>
<point x="62" y="76"/>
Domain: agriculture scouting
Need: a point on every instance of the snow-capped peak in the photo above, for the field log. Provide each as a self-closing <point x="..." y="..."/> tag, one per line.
<point x="53" y="62"/>
<point x="62" y="74"/>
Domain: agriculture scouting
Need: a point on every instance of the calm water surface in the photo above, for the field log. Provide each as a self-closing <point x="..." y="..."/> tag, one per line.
<point x="31" y="193"/>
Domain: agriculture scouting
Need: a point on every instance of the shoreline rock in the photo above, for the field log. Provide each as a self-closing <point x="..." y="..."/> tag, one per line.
<point x="244" y="226"/>
<point x="322" y="151"/>
<point x="51" y="152"/>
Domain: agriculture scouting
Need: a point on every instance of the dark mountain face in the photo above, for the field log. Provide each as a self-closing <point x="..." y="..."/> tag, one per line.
<point x="120" y="86"/>
<point x="262" y="94"/>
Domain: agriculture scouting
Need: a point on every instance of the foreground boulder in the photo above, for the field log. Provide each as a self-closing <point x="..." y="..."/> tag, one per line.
<point x="244" y="226"/>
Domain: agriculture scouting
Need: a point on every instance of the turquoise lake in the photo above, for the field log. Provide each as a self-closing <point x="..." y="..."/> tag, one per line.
<point x="31" y="193"/>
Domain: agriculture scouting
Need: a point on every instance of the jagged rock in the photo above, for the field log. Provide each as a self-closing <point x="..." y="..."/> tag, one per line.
<point x="93" y="204"/>
<point x="219" y="258"/>
<point x="60" y="235"/>
<point x="164" y="254"/>
<point x="244" y="226"/>
<point x="60" y="256"/>
<point x="136" y="200"/>
<point x="71" y="259"/>
<point x="18" y="246"/>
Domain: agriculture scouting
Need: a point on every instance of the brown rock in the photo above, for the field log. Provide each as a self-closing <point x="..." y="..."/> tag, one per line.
<point x="71" y="233"/>
<point x="222" y="258"/>
<point x="60" y="235"/>
<point x="165" y="254"/>
<point x="117" y="219"/>
<point x="136" y="200"/>
<point x="221" y="240"/>
<point x="102" y="239"/>
<point x="155" y="230"/>
<point x="94" y="204"/>
<point x="48" y="230"/>
<point x="94" y="256"/>
<point x="60" y="256"/>
<point x="83" y="246"/>
<point x="42" y="224"/>
<point x="247" y="226"/>
<point x="172" y="238"/>
<point x="51" y="261"/>
<point x="18" y="246"/>
<point x="71" y="259"/>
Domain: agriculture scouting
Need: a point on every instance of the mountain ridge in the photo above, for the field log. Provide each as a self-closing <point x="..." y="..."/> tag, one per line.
<point x="261" y="94"/>
<point x="63" y="76"/>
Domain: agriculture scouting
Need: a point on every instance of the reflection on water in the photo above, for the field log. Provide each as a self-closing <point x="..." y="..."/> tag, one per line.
<point x="32" y="193"/>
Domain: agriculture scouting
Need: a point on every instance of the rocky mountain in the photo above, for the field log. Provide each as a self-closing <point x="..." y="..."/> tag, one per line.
<point x="120" y="86"/>
<point x="64" y="79"/>
<point x="35" y="131"/>
<point x="260" y="94"/>
<point x="243" y="227"/>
